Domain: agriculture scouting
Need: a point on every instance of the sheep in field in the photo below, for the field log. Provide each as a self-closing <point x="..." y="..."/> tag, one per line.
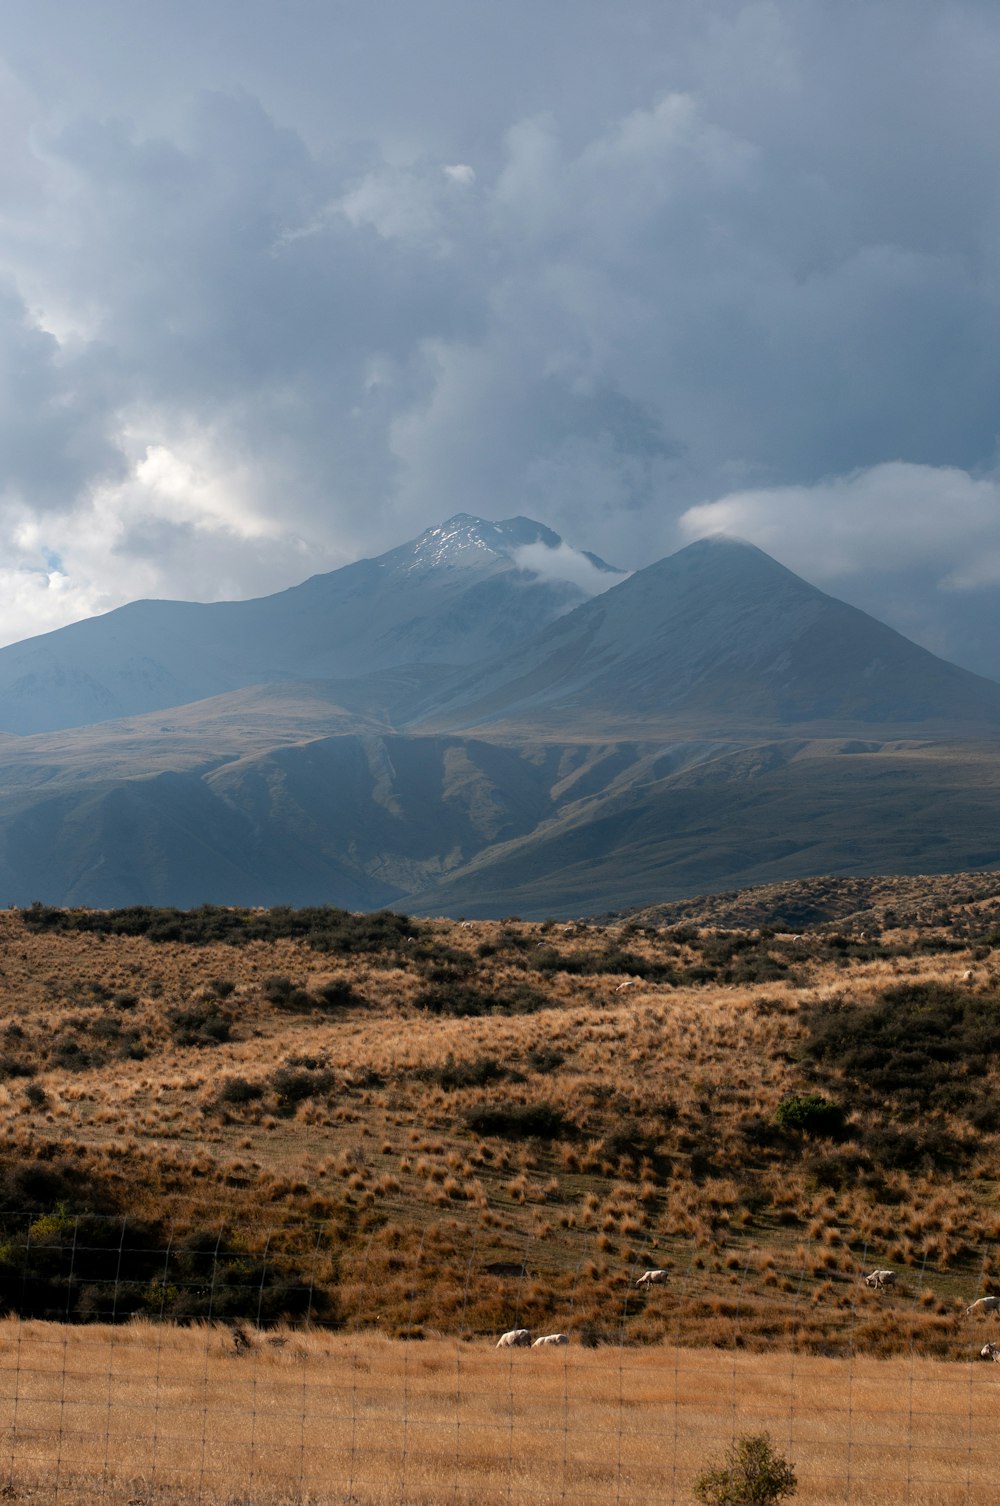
<point x="880" y="1280"/>
<point x="550" y="1338"/>
<point x="652" y="1278"/>
<point x="990" y="1352"/>
<point x="516" y="1338"/>
<point x="984" y="1305"/>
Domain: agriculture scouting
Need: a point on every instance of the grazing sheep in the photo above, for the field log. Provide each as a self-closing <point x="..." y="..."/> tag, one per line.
<point x="990" y="1352"/>
<point x="983" y="1305"/>
<point x="516" y="1338"/>
<point x="550" y="1338"/>
<point x="652" y="1278"/>
<point x="968" y="976"/>
<point x="880" y="1280"/>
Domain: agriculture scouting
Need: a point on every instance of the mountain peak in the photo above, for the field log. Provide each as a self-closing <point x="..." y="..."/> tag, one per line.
<point x="465" y="540"/>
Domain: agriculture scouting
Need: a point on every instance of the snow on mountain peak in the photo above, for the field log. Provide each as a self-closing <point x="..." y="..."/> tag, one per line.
<point x="465" y="540"/>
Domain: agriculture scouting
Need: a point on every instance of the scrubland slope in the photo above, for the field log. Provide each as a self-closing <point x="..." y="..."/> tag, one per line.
<point x="381" y="1122"/>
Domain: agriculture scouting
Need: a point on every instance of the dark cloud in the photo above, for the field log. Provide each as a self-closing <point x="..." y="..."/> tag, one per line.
<point x="286" y="284"/>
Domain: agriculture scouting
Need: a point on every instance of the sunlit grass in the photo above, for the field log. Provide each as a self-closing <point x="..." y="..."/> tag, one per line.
<point x="150" y="1413"/>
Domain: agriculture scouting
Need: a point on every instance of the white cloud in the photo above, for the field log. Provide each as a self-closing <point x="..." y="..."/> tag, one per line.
<point x="459" y="172"/>
<point x="892" y="518"/>
<point x="565" y="563"/>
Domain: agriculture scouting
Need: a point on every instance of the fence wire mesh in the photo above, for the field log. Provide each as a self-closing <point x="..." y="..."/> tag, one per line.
<point x="215" y="1370"/>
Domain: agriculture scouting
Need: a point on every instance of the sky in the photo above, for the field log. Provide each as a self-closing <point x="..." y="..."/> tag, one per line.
<point x="281" y="285"/>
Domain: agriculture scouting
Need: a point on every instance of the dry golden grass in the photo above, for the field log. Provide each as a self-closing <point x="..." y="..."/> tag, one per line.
<point x="659" y="1082"/>
<point x="147" y="1414"/>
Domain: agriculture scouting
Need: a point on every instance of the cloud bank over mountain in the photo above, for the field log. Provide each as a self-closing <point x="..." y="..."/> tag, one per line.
<point x="277" y="284"/>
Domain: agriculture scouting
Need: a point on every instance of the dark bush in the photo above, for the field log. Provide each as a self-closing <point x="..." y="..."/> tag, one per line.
<point x="240" y="1090"/>
<point x="293" y="1086"/>
<point x="71" y="1056"/>
<point x="475" y="1072"/>
<point x="199" y="1025"/>
<point x="15" y="1066"/>
<point x="323" y="927"/>
<point x="284" y="994"/>
<point x="545" y="1059"/>
<point x="810" y="1114"/>
<point x="541" y="1121"/>
<point x="339" y="993"/>
<point x="463" y="1000"/>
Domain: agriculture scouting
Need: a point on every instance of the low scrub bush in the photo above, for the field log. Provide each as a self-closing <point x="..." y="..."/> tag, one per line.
<point x="323" y="927"/>
<point x="475" y="1072"/>
<point x="465" y="1000"/>
<point x="810" y="1114"/>
<point x="199" y="1025"/>
<point x="521" y="1121"/>
<point x="293" y="1085"/>
<point x="238" y="1090"/>
<point x="753" y="1474"/>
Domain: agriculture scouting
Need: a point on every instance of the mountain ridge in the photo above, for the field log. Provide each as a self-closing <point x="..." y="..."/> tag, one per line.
<point x="709" y="721"/>
<point x="453" y="594"/>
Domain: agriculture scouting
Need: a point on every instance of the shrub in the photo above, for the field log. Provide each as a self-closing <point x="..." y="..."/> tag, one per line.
<point x="323" y="927"/>
<point x="524" y="1121"/>
<point x="337" y="994"/>
<point x="464" y="1000"/>
<point x="475" y="1072"/>
<point x="240" y="1090"/>
<point x="810" y="1114"/>
<point x="199" y="1025"/>
<point x="294" y="1085"/>
<point x="284" y="994"/>
<point x="752" y="1475"/>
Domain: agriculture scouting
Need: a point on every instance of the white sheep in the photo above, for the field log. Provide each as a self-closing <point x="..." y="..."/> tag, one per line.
<point x="880" y="1280"/>
<point x="516" y="1338"/>
<point x="983" y="1305"/>
<point x="652" y="1278"/>
<point x="629" y="983"/>
<point x="990" y="1352"/>
<point x="968" y="976"/>
<point x="550" y="1338"/>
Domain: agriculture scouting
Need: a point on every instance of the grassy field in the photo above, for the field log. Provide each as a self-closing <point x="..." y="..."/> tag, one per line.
<point x="149" y="1413"/>
<point x="373" y="1123"/>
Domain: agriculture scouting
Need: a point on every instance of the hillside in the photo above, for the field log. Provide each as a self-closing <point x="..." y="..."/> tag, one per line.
<point x="356" y="1094"/>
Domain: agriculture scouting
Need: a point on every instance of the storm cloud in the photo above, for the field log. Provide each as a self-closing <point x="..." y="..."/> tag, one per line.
<point x="281" y="286"/>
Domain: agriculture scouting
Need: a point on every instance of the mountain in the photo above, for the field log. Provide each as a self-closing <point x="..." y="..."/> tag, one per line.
<point x="719" y="637"/>
<point x="452" y="728"/>
<point x="448" y="598"/>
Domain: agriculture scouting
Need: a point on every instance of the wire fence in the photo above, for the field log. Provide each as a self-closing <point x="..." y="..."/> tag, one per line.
<point x="206" y="1371"/>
